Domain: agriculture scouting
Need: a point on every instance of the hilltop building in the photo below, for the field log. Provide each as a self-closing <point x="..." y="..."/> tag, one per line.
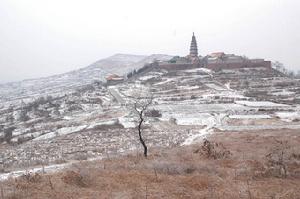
<point x="219" y="60"/>
<point x="180" y="63"/>
<point x="215" y="61"/>
<point x="114" y="79"/>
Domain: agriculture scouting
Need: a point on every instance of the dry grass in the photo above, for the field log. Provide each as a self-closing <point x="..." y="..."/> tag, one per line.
<point x="177" y="173"/>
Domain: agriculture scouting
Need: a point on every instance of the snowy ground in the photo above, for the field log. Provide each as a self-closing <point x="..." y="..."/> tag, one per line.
<point x="97" y="121"/>
<point x="260" y="104"/>
<point x="250" y="116"/>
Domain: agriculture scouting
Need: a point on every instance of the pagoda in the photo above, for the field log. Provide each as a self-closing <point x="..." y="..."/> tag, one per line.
<point x="193" y="56"/>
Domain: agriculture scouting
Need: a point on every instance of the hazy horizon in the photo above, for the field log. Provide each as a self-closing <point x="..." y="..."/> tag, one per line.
<point x="43" y="38"/>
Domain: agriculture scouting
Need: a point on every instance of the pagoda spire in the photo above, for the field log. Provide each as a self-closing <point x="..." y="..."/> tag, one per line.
<point x="193" y="48"/>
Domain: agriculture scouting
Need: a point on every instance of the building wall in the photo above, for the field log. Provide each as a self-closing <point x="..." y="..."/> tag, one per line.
<point x="219" y="66"/>
<point x="169" y="66"/>
<point x="114" y="82"/>
<point x="216" y="65"/>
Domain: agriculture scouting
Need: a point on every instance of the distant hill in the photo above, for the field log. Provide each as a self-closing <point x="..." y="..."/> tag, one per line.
<point x="62" y="83"/>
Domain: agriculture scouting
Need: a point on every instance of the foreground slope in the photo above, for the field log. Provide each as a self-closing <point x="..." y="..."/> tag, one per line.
<point x="239" y="165"/>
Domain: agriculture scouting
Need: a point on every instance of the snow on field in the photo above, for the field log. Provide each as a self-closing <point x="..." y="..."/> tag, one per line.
<point x="260" y="104"/>
<point x="62" y="131"/>
<point x="257" y="127"/>
<point x="127" y="122"/>
<point x="214" y="86"/>
<point x="132" y="90"/>
<point x="192" y="119"/>
<point x="250" y="117"/>
<point x="211" y="121"/>
<point x="227" y="85"/>
<point x="194" y="114"/>
<point x="191" y="109"/>
<point x="95" y="124"/>
<point x="67" y="118"/>
<point x="228" y="71"/>
<point x="150" y="76"/>
<point x="288" y="116"/>
<point x="225" y="94"/>
<point x="26" y="135"/>
<point x="188" y="87"/>
<point x="48" y="169"/>
<point x="193" y="138"/>
<point x="205" y="70"/>
<point x="283" y="93"/>
<point x="18" y="132"/>
<point x="145" y="78"/>
<point x="165" y="80"/>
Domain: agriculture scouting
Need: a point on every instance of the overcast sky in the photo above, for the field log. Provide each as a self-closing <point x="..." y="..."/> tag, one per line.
<point x="46" y="37"/>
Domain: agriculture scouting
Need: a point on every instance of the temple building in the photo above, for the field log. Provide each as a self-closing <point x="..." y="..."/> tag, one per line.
<point x="214" y="61"/>
<point x="114" y="79"/>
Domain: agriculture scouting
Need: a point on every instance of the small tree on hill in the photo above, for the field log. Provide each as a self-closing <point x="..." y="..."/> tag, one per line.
<point x="23" y="117"/>
<point x="8" y="134"/>
<point x="141" y="103"/>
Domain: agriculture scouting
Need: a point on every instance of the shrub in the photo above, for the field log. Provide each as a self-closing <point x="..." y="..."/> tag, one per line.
<point x="74" y="107"/>
<point x="153" y="113"/>
<point x="277" y="160"/>
<point x="23" y="117"/>
<point x="81" y="178"/>
<point x="193" y="97"/>
<point x="8" y="134"/>
<point x="213" y="150"/>
<point x="31" y="177"/>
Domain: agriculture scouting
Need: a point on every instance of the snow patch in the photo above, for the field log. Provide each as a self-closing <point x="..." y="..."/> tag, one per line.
<point x="250" y="117"/>
<point x="48" y="169"/>
<point x="145" y="78"/>
<point x="95" y="124"/>
<point x="60" y="132"/>
<point x="205" y="70"/>
<point x="257" y="127"/>
<point x="127" y="122"/>
<point x="201" y="119"/>
<point x="202" y="134"/>
<point x="288" y="116"/>
<point x="67" y="118"/>
<point x="283" y="93"/>
<point x="214" y="86"/>
<point x="260" y="104"/>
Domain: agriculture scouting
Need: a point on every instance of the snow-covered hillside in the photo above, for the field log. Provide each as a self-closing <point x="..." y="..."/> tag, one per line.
<point x="58" y="85"/>
<point x="97" y="120"/>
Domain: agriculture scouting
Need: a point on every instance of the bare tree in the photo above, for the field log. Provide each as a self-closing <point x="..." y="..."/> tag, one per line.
<point x="140" y="107"/>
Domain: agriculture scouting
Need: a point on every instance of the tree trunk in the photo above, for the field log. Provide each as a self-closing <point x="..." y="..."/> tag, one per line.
<point x="141" y="139"/>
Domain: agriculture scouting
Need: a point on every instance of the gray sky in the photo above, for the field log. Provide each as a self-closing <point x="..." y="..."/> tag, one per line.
<point x="46" y="37"/>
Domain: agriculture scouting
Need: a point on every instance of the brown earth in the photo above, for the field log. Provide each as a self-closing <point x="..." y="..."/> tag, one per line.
<point x="231" y="165"/>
